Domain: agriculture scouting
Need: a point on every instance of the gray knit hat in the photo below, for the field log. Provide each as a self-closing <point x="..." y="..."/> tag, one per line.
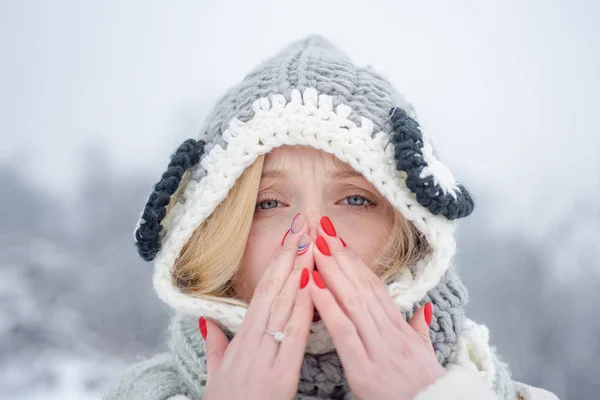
<point x="308" y="94"/>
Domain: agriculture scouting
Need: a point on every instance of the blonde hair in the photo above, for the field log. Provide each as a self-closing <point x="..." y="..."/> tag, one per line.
<point x="209" y="261"/>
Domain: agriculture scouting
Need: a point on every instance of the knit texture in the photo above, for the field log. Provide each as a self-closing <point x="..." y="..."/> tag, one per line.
<point x="155" y="379"/>
<point x="311" y="94"/>
<point x="149" y="230"/>
<point x="183" y="371"/>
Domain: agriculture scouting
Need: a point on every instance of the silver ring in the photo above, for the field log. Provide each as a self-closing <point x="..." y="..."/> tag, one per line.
<point x="278" y="336"/>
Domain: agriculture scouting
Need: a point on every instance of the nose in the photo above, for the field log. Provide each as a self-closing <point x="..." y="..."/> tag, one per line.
<point x="313" y="216"/>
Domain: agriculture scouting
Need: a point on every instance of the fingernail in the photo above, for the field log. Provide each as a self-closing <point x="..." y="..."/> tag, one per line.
<point x="428" y="313"/>
<point x="328" y="226"/>
<point x="298" y="223"/>
<point x="344" y="243"/>
<point x="323" y="246"/>
<point x="203" y="330"/>
<point x="318" y="279"/>
<point x="284" y="236"/>
<point x="303" y="244"/>
<point x="304" y="278"/>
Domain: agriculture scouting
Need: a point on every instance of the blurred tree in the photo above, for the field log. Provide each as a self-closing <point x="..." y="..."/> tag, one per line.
<point x="71" y="280"/>
<point x="540" y="321"/>
<point x="115" y="292"/>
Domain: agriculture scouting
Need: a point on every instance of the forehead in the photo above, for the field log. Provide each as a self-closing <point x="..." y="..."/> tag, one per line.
<point x="293" y="157"/>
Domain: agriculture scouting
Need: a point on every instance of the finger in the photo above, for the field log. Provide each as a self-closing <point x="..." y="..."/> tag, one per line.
<point x="349" y="299"/>
<point x="283" y="304"/>
<point x="345" y="336"/>
<point x="291" y="350"/>
<point x="386" y="300"/>
<point x="272" y="281"/>
<point x="361" y="277"/>
<point x="216" y="345"/>
<point x="378" y="288"/>
<point x="420" y="322"/>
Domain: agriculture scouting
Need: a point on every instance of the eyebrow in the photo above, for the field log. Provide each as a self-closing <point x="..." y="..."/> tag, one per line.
<point x="335" y="174"/>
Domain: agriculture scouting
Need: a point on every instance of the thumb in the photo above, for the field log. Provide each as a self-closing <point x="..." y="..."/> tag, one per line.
<point x="216" y="344"/>
<point x="420" y="322"/>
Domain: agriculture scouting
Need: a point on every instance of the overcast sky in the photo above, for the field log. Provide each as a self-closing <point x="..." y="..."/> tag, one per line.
<point x="508" y="90"/>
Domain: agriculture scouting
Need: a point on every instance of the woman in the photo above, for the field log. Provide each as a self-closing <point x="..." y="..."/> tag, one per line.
<point x="306" y="242"/>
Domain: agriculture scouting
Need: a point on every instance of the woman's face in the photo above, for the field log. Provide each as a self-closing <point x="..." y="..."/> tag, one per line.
<point x="301" y="179"/>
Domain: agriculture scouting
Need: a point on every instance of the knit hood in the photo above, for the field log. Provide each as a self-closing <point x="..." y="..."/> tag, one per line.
<point x="308" y="94"/>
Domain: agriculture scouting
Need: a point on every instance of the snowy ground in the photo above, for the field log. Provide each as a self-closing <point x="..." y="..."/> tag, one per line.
<point x="57" y="376"/>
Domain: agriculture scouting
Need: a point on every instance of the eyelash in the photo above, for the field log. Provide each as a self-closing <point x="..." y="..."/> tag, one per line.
<point x="368" y="202"/>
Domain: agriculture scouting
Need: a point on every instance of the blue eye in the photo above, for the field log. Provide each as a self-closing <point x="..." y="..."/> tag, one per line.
<point x="267" y="204"/>
<point x="359" y="201"/>
<point x="354" y="201"/>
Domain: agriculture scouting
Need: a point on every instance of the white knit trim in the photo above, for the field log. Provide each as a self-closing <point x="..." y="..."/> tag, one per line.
<point x="458" y="384"/>
<point x="442" y="176"/>
<point x="527" y="392"/>
<point x="307" y="119"/>
<point x="473" y="352"/>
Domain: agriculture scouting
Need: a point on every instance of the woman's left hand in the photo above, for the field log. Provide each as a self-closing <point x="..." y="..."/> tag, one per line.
<point x="383" y="356"/>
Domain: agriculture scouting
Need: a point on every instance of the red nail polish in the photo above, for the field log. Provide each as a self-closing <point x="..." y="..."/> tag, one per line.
<point x="304" y="278"/>
<point x="284" y="236"/>
<point x="328" y="226"/>
<point x="203" y="330"/>
<point x="318" y="279"/>
<point x="344" y="243"/>
<point x="323" y="246"/>
<point x="428" y="313"/>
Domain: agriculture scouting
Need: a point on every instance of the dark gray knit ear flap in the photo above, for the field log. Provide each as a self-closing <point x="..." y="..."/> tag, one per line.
<point x="408" y="141"/>
<point x="147" y="235"/>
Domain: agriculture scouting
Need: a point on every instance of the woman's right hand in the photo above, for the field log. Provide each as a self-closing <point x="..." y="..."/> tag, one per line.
<point x="254" y="366"/>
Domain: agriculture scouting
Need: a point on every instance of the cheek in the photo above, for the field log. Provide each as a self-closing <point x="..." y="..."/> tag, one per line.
<point x="367" y="236"/>
<point x="262" y="245"/>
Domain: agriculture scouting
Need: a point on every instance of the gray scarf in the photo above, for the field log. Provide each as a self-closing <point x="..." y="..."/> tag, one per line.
<point x="322" y="376"/>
